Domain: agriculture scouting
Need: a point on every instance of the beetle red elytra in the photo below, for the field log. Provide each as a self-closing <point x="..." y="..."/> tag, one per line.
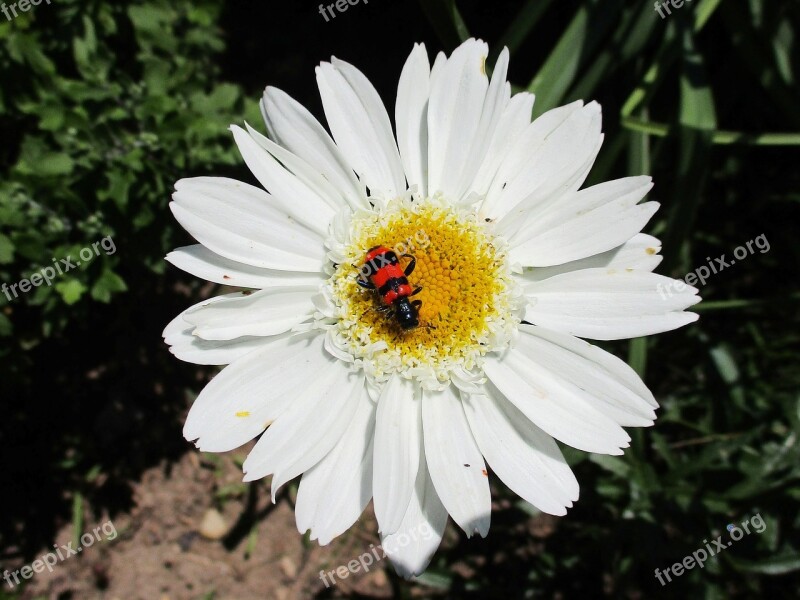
<point x="381" y="271"/>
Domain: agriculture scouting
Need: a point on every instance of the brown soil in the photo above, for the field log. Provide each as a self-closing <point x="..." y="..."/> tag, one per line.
<point x="160" y="554"/>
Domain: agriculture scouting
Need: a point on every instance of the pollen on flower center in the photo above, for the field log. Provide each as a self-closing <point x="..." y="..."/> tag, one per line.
<point x="455" y="270"/>
<point x="466" y="291"/>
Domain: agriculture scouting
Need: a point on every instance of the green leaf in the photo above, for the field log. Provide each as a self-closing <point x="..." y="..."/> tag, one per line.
<point x="637" y="355"/>
<point x="71" y="291"/>
<point x="697" y="100"/>
<point x="25" y="48"/>
<point x="52" y="118"/>
<point x="77" y="518"/>
<point x="687" y="193"/>
<point x="633" y="33"/>
<point x="56" y="164"/>
<point x="119" y="185"/>
<point x="754" y="52"/>
<point x="446" y="20"/>
<point x="579" y="41"/>
<point x="36" y="159"/>
<point x="776" y="565"/>
<point x="6" y="327"/>
<point x="108" y="284"/>
<point x="718" y="137"/>
<point x="436" y="578"/>
<point x="782" y="46"/>
<point x="703" y="12"/>
<point x="84" y="49"/>
<point x="6" y="250"/>
<point x="612" y="464"/>
<point x="655" y="75"/>
<point x="150" y="18"/>
<point x="523" y="23"/>
<point x="725" y="363"/>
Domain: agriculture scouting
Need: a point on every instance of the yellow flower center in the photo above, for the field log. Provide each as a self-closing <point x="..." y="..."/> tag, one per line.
<point x="464" y="281"/>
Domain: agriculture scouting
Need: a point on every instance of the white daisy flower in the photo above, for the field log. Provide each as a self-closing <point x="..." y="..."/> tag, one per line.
<point x="515" y="262"/>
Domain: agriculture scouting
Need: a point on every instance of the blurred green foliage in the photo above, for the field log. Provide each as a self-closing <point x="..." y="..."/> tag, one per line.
<point x="105" y="105"/>
<point x="99" y="121"/>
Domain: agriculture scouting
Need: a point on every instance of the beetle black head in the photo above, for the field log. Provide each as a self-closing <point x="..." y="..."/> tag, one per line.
<point x="406" y="313"/>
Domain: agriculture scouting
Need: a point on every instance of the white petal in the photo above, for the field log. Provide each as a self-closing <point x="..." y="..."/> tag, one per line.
<point x="335" y="491"/>
<point x="309" y="176"/>
<point x="515" y="169"/>
<point x="178" y="324"/>
<point x="361" y="127"/>
<point x="306" y="432"/>
<point x="438" y="64"/>
<point x="398" y="437"/>
<point x="190" y="348"/>
<point x="586" y="223"/>
<point x="291" y="125"/>
<point x="561" y="409"/>
<point x="559" y="164"/>
<point x="239" y="222"/>
<point x="288" y="192"/>
<point x="515" y="119"/>
<point x="640" y="253"/>
<point x="497" y="97"/>
<point x="606" y="304"/>
<point x="267" y="312"/>
<point x="205" y="264"/>
<point x="455" y="463"/>
<point x="246" y="396"/>
<point x="411" y="547"/>
<point x="454" y="111"/>
<point x="411" y="117"/>
<point x="523" y="456"/>
<point x="617" y="390"/>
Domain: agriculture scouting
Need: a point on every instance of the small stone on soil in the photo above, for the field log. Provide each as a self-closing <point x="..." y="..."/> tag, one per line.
<point x="213" y="525"/>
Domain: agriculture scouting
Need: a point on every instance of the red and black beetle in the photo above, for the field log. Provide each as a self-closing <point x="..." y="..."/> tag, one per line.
<point x="381" y="271"/>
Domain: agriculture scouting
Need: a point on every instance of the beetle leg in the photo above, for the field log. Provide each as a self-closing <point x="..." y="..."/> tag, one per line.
<point x="367" y="285"/>
<point x="411" y="265"/>
<point x="416" y="304"/>
<point x="386" y="311"/>
<point x="416" y="291"/>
